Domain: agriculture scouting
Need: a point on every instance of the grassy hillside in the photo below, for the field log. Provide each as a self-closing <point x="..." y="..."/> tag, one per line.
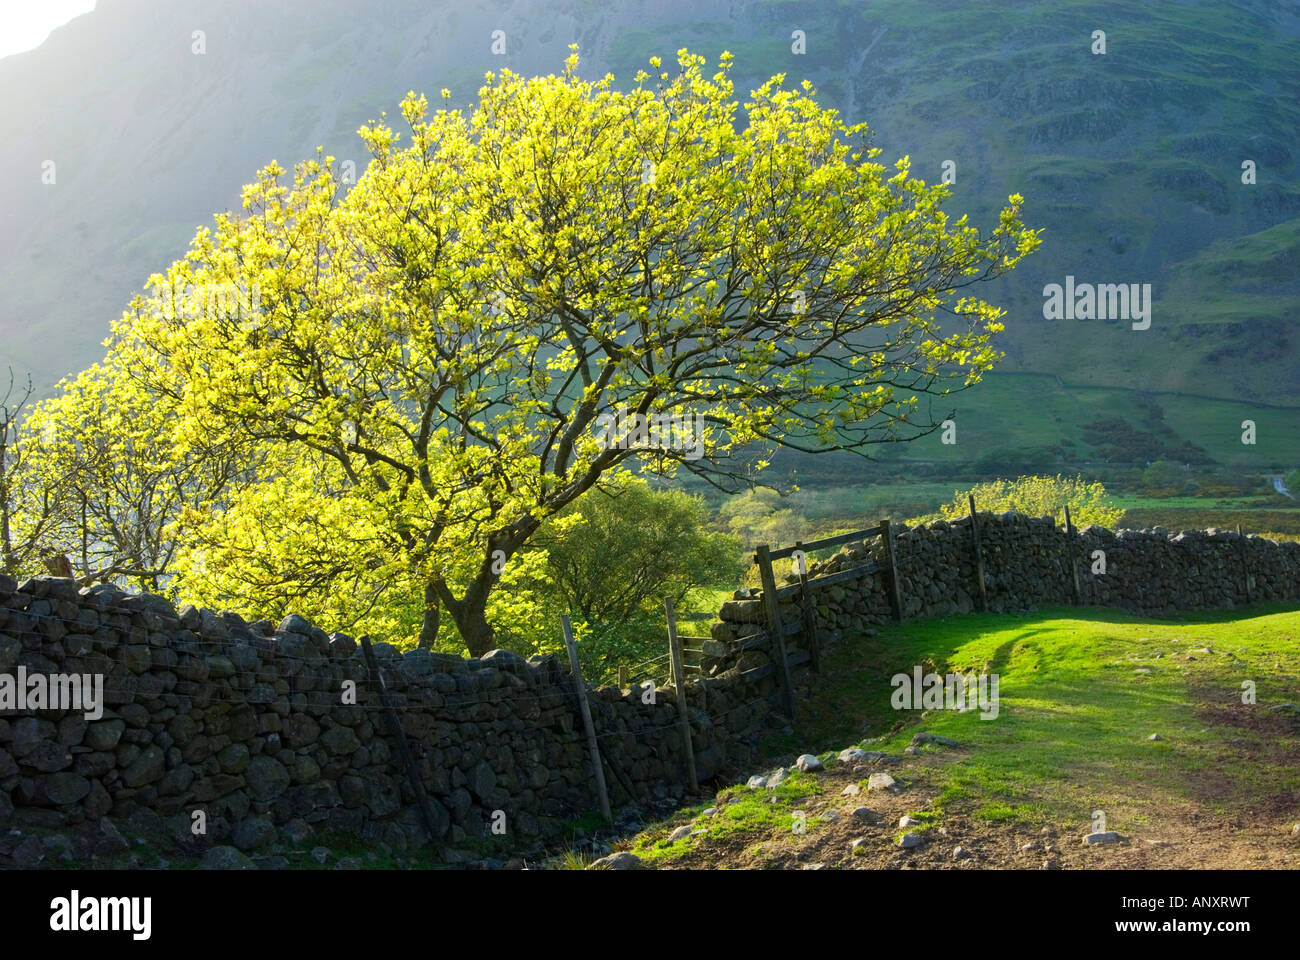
<point x="1081" y="693"/>
<point x="1130" y="162"/>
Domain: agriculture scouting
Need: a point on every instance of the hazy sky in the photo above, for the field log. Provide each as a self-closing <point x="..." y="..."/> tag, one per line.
<point x="25" y="24"/>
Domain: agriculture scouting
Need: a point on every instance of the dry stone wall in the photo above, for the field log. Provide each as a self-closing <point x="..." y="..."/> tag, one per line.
<point x="251" y="723"/>
<point x="1027" y="563"/>
<point x="248" y="723"/>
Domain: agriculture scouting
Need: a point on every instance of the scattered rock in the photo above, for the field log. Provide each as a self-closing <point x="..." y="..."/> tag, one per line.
<point x="920" y="738"/>
<point x="881" y="781"/>
<point x="1155" y="736"/>
<point x="852" y="790"/>
<point x="866" y="813"/>
<point x="960" y="853"/>
<point x="679" y="834"/>
<point x="808" y="763"/>
<point x="618" y="861"/>
<point x="756" y="782"/>
<point x="320" y="854"/>
<point x="1109" y="836"/>
<point x="909" y="841"/>
<point x="908" y="822"/>
<point x="859" y="848"/>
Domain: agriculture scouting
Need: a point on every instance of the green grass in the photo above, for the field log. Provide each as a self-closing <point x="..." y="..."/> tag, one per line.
<point x="1071" y="732"/>
<point x="741" y="811"/>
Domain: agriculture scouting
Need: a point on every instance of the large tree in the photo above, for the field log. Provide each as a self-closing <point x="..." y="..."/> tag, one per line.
<point x="424" y="367"/>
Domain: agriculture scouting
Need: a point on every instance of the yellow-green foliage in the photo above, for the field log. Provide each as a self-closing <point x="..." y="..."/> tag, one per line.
<point x="1039" y="497"/>
<point x="410" y="382"/>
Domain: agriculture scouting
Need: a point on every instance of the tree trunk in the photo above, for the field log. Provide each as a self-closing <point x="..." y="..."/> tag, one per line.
<point x="432" y="617"/>
<point x="469" y="613"/>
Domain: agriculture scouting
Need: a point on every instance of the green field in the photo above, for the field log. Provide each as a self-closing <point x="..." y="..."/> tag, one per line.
<point x="1080" y="695"/>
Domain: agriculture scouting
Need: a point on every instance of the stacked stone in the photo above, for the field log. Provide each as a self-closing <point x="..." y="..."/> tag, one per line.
<point x="1027" y="563"/>
<point x="253" y="724"/>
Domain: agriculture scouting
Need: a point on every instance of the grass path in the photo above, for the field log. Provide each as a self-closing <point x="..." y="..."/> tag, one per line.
<point x="1081" y="692"/>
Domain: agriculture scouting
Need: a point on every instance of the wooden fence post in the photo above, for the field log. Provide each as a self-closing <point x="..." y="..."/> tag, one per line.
<point x="1069" y="555"/>
<point x="683" y="708"/>
<point x="762" y="556"/>
<point x="896" y="596"/>
<point x="979" y="555"/>
<point x="399" y="737"/>
<point x="1241" y="556"/>
<point x="805" y="606"/>
<point x="622" y="676"/>
<point x="585" y="710"/>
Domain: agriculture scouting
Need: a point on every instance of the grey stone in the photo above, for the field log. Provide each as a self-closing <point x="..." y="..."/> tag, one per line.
<point x="266" y="778"/>
<point x="808" y="763"/>
<point x="881" y="781"/>
<point x="146" y="768"/>
<point x="253" y="832"/>
<point x="618" y="861"/>
<point x="1109" y="836"/>
<point x="225" y="858"/>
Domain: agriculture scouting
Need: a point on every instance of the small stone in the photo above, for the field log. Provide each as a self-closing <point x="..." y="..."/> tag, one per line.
<point x="708" y="811"/>
<point x="1155" y="736"/>
<point x="320" y="854"/>
<point x="808" y="763"/>
<point x="756" y="782"/>
<point x="920" y="738"/>
<point x="908" y="822"/>
<point x="880" y="781"/>
<point x="866" y="813"/>
<point x="618" y="861"/>
<point x="1051" y="865"/>
<point x="853" y="755"/>
<point x="909" y="841"/>
<point x="859" y="848"/>
<point x="1031" y="845"/>
<point x="852" y="790"/>
<point x="775" y="779"/>
<point x="1109" y="836"/>
<point x="679" y="834"/>
<point x="960" y="853"/>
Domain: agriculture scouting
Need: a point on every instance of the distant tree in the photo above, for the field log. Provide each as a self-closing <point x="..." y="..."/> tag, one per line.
<point x="761" y="516"/>
<point x="1039" y="497"/>
<point x="1165" y="478"/>
<point x="429" y="373"/>
<point x="621" y="549"/>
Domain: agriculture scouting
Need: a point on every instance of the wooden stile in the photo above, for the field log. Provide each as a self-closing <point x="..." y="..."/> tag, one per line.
<point x="683" y="708"/>
<point x="585" y="709"/>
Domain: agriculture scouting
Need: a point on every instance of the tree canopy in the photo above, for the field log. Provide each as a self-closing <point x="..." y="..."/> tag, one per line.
<point x="416" y="374"/>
